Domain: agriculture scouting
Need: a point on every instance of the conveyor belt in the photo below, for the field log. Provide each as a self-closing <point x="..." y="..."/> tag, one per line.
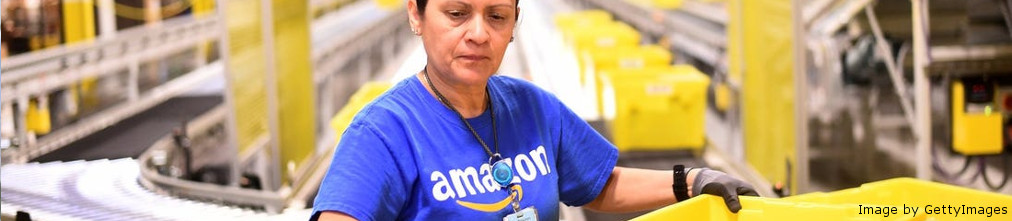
<point x="131" y="137"/>
<point x="105" y="190"/>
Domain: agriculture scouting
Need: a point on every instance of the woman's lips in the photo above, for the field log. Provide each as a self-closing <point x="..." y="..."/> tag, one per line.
<point x="473" y="57"/>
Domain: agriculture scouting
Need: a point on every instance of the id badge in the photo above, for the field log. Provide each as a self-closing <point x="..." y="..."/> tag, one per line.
<point x="527" y="214"/>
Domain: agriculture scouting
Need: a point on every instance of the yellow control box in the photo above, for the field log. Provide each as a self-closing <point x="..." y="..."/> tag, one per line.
<point x="974" y="132"/>
<point x="655" y="108"/>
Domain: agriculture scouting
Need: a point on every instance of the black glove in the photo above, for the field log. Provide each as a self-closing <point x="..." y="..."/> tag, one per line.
<point x="720" y="184"/>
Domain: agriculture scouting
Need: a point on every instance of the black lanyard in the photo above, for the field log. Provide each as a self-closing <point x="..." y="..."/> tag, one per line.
<point x="493" y="157"/>
<point x="501" y="172"/>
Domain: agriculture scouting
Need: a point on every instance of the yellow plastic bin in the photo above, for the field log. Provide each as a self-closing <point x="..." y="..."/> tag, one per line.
<point x="589" y="38"/>
<point x="362" y="97"/>
<point x="712" y="208"/>
<point x="390" y="4"/>
<point x="667" y="4"/>
<point x="568" y="21"/>
<point x="655" y="108"/>
<point x="723" y="97"/>
<point x="603" y="35"/>
<point x="589" y="33"/>
<point x="910" y="192"/>
<point x="577" y="23"/>
<point x="630" y="59"/>
<point x="37" y="117"/>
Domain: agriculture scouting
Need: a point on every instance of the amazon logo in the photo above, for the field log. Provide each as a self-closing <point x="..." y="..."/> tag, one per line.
<point x="459" y="183"/>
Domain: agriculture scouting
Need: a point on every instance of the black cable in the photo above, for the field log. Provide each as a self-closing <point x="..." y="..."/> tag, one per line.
<point x="954" y="178"/>
<point x="966" y="167"/>
<point x="1004" y="180"/>
<point x="951" y="178"/>
<point x="980" y="170"/>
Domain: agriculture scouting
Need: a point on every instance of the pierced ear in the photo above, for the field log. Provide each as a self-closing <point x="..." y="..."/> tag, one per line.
<point x="413" y="17"/>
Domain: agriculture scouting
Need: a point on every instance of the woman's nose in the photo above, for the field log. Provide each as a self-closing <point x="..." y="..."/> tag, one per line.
<point x="477" y="31"/>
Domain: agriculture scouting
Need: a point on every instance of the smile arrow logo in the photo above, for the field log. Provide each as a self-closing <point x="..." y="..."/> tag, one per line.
<point x="493" y="207"/>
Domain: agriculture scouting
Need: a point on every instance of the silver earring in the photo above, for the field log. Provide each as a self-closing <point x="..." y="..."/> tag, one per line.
<point x="511" y="38"/>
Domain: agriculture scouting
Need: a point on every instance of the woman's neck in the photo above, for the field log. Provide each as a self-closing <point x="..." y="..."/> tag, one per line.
<point x="469" y="100"/>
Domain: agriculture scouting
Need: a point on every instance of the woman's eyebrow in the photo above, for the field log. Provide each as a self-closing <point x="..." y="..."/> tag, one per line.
<point x="459" y="3"/>
<point x="500" y="5"/>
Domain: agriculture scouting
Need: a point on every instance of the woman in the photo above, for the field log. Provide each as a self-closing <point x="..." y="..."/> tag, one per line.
<point x="455" y="142"/>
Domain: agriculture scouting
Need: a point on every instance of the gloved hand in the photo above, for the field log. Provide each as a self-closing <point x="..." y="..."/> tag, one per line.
<point x="718" y="183"/>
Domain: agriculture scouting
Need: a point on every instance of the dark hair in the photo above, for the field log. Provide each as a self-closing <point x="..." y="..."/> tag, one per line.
<point x="421" y="6"/>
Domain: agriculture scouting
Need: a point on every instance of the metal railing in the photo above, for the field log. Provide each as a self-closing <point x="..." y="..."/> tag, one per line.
<point x="40" y="73"/>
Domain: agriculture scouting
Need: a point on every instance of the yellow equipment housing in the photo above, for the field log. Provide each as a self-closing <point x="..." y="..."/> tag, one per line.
<point x="974" y="132"/>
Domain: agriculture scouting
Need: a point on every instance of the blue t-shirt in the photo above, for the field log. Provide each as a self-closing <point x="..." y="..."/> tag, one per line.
<point x="406" y="156"/>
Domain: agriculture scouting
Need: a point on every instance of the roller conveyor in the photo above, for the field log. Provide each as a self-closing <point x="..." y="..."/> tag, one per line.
<point x="355" y="36"/>
<point x="106" y="190"/>
<point x="697" y="29"/>
<point x="342" y="37"/>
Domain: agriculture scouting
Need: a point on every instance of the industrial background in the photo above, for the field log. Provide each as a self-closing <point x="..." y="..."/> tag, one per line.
<point x="230" y="109"/>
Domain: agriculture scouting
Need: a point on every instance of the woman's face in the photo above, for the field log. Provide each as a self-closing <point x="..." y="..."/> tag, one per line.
<point x="465" y="39"/>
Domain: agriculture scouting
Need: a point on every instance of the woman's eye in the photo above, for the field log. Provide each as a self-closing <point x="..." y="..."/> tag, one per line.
<point x="456" y="14"/>
<point x="497" y="17"/>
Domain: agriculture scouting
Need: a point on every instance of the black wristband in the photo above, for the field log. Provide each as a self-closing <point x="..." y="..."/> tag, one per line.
<point x="679" y="186"/>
